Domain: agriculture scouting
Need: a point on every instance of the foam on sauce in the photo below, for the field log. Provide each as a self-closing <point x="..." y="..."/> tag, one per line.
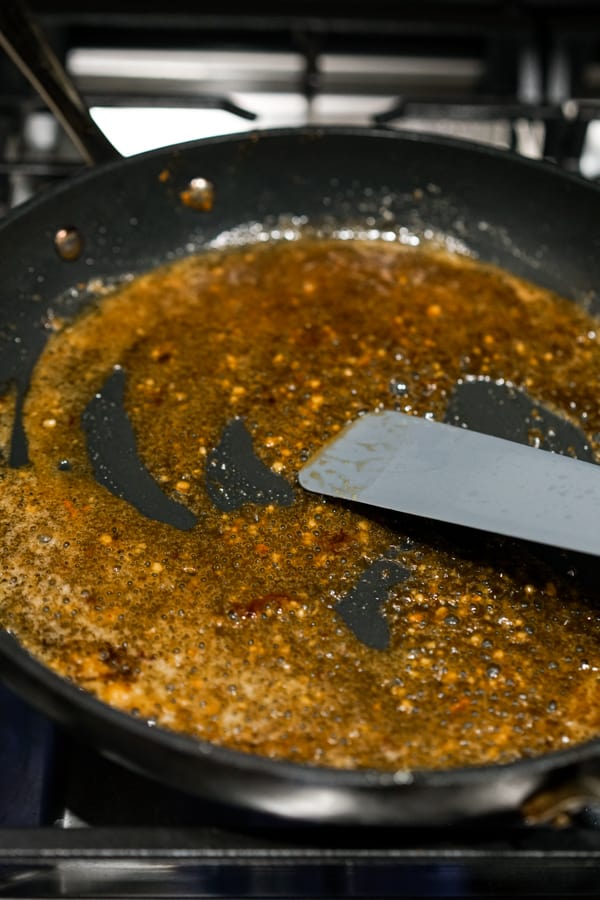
<point x="230" y="630"/>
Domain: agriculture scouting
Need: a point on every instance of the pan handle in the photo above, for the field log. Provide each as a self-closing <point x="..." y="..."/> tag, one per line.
<point x="27" y="46"/>
<point x="557" y="803"/>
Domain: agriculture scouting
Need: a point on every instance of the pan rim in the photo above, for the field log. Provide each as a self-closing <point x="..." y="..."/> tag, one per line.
<point x="86" y="174"/>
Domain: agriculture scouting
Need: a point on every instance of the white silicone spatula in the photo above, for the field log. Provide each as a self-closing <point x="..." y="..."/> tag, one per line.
<point x="450" y="474"/>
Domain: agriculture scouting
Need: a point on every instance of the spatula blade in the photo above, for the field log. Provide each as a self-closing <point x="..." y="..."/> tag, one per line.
<point x="442" y="472"/>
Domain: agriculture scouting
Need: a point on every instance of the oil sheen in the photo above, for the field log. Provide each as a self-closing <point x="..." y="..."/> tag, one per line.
<point x="230" y="627"/>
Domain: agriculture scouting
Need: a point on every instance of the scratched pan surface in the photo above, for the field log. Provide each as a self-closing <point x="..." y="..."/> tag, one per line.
<point x="533" y="220"/>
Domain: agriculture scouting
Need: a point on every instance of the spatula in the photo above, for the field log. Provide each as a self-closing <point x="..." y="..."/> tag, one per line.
<point x="450" y="474"/>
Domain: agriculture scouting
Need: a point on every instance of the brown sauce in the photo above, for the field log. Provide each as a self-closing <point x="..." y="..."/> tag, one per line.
<point x="229" y="631"/>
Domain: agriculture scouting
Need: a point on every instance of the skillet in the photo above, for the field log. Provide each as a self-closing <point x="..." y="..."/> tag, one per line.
<point x="537" y="222"/>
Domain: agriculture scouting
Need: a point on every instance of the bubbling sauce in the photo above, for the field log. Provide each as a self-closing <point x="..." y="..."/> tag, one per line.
<point x="230" y="631"/>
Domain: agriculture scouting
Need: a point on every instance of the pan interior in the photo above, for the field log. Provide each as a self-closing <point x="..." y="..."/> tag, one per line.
<point x="240" y="610"/>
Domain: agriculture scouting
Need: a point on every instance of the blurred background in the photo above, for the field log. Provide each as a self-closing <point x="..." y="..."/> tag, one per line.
<point x="523" y="74"/>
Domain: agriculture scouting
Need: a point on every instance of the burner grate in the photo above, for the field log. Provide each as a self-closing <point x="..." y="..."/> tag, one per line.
<point x="523" y="75"/>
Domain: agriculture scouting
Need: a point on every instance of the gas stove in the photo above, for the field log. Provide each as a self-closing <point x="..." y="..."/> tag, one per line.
<point x="523" y="75"/>
<point x="518" y="75"/>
